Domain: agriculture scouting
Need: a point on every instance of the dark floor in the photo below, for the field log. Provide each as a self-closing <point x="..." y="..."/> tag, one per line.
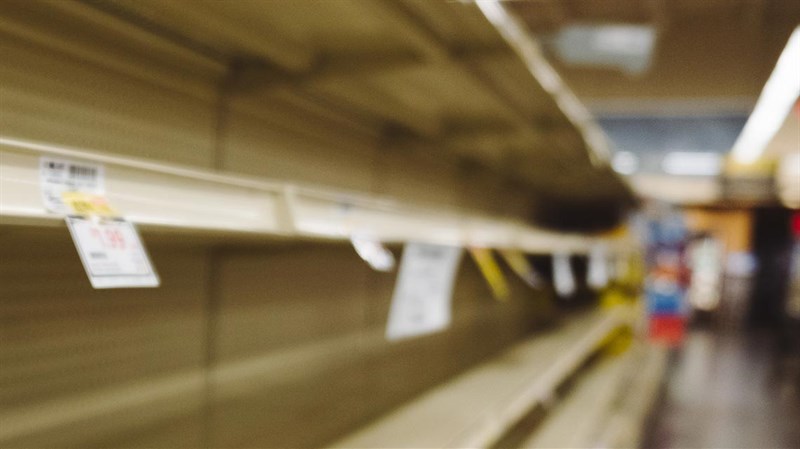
<point x="729" y="390"/>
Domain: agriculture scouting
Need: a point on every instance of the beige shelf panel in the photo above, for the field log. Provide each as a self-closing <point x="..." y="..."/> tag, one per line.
<point x="575" y="420"/>
<point x="173" y="197"/>
<point x="478" y="407"/>
<point x="621" y="391"/>
<point x="338" y="216"/>
<point x="147" y="193"/>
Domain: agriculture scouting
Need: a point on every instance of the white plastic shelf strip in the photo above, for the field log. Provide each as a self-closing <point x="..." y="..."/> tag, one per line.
<point x="331" y="215"/>
<point x="147" y="193"/>
<point x="169" y="196"/>
<point x="478" y="407"/>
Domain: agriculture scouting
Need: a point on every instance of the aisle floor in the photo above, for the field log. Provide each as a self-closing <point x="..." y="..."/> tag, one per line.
<point x="728" y="390"/>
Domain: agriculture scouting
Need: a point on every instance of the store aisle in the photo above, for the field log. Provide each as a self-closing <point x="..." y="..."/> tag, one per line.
<point x="728" y="390"/>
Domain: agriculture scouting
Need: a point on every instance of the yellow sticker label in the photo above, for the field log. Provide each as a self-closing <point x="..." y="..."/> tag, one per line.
<point x="491" y="272"/>
<point x="87" y="204"/>
<point x="519" y="264"/>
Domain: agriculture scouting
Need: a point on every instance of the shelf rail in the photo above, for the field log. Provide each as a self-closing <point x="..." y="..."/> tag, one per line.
<point x="477" y="408"/>
<point x="164" y="196"/>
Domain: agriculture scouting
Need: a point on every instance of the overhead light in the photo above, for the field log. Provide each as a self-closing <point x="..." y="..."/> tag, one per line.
<point x="625" y="162"/>
<point x="687" y="163"/>
<point x="627" y="47"/>
<point x="779" y="95"/>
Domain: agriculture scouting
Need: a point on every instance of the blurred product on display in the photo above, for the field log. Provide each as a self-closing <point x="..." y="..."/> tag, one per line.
<point x="666" y="280"/>
<point x="705" y="255"/>
<point x="793" y="298"/>
<point x="597" y="273"/>
<point x="625" y="286"/>
<point x="563" y="276"/>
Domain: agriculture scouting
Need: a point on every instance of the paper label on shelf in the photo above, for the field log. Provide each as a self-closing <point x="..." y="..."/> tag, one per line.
<point x="373" y="253"/>
<point x="491" y="272"/>
<point x="87" y="204"/>
<point x="422" y="296"/>
<point x="597" y="272"/>
<point x="112" y="253"/>
<point x="521" y="266"/>
<point x="57" y="176"/>
<point x="563" y="278"/>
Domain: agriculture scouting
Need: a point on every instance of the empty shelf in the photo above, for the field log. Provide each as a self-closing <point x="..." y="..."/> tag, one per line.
<point x="158" y="195"/>
<point x="608" y="405"/>
<point x="478" y="407"/>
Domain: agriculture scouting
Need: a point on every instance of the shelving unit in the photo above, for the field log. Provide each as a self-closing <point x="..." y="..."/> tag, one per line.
<point x="478" y="407"/>
<point x="147" y="193"/>
<point x="621" y="390"/>
<point x="242" y="140"/>
<point x="157" y="195"/>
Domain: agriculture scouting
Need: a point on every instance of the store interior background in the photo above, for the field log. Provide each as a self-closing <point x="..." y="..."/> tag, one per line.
<point x="265" y="333"/>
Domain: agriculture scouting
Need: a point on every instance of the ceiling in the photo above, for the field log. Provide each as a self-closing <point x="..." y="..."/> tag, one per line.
<point x="707" y="67"/>
<point x="710" y="56"/>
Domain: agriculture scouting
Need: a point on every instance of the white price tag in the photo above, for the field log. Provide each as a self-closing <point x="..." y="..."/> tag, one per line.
<point x="597" y="272"/>
<point x="57" y="176"/>
<point x="563" y="278"/>
<point x="423" y="293"/>
<point x="112" y="253"/>
<point x="374" y="253"/>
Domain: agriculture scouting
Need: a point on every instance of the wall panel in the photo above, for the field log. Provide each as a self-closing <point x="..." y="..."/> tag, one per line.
<point x="52" y="97"/>
<point x="256" y="146"/>
<point x="278" y="345"/>
<point x="287" y="369"/>
<point x="79" y="365"/>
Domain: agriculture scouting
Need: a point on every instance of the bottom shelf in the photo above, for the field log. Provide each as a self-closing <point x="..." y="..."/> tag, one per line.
<point x="477" y="408"/>
<point x="607" y="406"/>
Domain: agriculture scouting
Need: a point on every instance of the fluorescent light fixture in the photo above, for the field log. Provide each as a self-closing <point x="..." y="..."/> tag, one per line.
<point x="635" y="40"/>
<point x="686" y="163"/>
<point x="625" y="162"/>
<point x="776" y="101"/>
<point x="627" y="47"/>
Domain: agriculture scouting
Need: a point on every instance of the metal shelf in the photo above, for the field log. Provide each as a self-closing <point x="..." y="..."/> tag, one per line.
<point x="478" y="407"/>
<point x="609" y="404"/>
<point x="147" y="193"/>
<point x="157" y="195"/>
